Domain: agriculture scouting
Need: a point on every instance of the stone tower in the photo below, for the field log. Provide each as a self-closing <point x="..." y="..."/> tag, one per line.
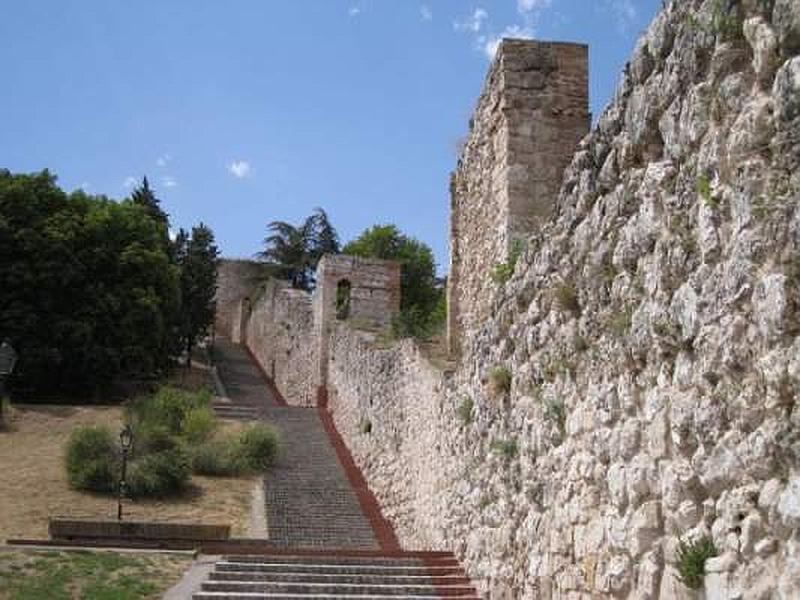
<point x="532" y="113"/>
<point x="365" y="291"/>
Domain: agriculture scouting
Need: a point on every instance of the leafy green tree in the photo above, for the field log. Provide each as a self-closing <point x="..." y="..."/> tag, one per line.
<point x="197" y="257"/>
<point x="422" y="294"/>
<point x="87" y="287"/>
<point x="293" y="252"/>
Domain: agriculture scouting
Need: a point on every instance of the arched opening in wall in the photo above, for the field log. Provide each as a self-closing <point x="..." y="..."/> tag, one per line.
<point x="343" y="299"/>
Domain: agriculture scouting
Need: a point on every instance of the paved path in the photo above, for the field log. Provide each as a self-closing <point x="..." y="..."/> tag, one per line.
<point x="309" y="500"/>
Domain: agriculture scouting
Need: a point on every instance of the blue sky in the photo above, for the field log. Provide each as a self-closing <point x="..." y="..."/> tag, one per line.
<point x="245" y="111"/>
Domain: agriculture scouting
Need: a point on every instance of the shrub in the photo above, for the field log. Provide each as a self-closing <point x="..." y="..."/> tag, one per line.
<point x="692" y="561"/>
<point x="366" y="426"/>
<point x="508" y="449"/>
<point x="218" y="457"/>
<point x="160" y="474"/>
<point x="258" y="446"/>
<point x="91" y="459"/>
<point x="465" y="410"/>
<point x="149" y="438"/>
<point x="500" y="379"/>
<point x="198" y="425"/>
<point x="171" y="413"/>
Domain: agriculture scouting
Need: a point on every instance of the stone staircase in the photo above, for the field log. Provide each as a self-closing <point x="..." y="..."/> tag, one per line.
<point x="336" y="576"/>
<point x="327" y="537"/>
<point x="236" y="411"/>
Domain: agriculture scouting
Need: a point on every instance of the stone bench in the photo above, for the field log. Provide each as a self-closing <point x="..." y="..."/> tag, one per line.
<point x="74" y="529"/>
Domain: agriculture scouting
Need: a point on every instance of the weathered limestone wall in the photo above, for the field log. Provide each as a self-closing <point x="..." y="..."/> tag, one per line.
<point x="651" y="334"/>
<point x="399" y="394"/>
<point x="236" y="280"/>
<point x="288" y="330"/>
<point x="280" y="334"/>
<point x="532" y="113"/>
<point x="374" y="298"/>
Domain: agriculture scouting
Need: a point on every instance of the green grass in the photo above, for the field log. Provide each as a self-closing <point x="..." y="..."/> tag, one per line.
<point x="86" y="575"/>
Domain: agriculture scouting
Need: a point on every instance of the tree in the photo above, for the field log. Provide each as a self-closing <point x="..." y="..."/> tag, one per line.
<point x="145" y="197"/>
<point x="421" y="293"/>
<point x="293" y="252"/>
<point x="87" y="287"/>
<point x="197" y="257"/>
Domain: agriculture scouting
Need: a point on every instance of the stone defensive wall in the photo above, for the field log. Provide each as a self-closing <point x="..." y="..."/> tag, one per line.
<point x="287" y="331"/>
<point x="236" y="279"/>
<point x="279" y="332"/>
<point x="630" y="393"/>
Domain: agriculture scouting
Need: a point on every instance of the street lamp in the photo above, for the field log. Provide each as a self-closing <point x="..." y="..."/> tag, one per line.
<point x="8" y="360"/>
<point x="126" y="443"/>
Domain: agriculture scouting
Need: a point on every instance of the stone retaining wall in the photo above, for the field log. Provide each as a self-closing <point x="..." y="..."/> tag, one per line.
<point x="280" y="333"/>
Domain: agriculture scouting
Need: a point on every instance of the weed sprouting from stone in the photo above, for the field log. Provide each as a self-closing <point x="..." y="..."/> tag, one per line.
<point x="503" y="272"/>
<point x="508" y="449"/>
<point x="704" y="190"/>
<point x="692" y="561"/>
<point x="465" y="410"/>
<point x="556" y="412"/>
<point x="566" y="298"/>
<point x="500" y="380"/>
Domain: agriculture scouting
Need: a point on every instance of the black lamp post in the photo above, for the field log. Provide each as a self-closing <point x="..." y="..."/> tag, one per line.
<point x="126" y="443"/>
<point x="8" y="360"/>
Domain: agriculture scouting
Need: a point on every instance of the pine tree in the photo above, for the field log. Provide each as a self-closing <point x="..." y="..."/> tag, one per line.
<point x="197" y="256"/>
<point x="145" y="197"/>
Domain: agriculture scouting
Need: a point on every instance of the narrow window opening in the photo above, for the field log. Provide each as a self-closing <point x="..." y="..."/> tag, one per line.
<point x="343" y="299"/>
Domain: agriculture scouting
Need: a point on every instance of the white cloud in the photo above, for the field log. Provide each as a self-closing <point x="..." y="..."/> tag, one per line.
<point x="240" y="169"/>
<point x="492" y="43"/>
<point x="163" y="160"/>
<point x="474" y="22"/>
<point x="354" y="11"/>
<point x="168" y="181"/>
<point x="425" y="12"/>
<point x="526" y="6"/>
<point x="130" y="181"/>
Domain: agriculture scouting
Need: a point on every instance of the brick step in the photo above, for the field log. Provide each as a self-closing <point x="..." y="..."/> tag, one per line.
<point x="354" y="589"/>
<point x="288" y="577"/>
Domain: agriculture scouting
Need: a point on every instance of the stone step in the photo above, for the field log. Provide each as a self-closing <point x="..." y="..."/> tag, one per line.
<point x="353" y="589"/>
<point x="327" y="559"/>
<point x="337" y="569"/>
<point x="292" y="576"/>
<point x="279" y="596"/>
